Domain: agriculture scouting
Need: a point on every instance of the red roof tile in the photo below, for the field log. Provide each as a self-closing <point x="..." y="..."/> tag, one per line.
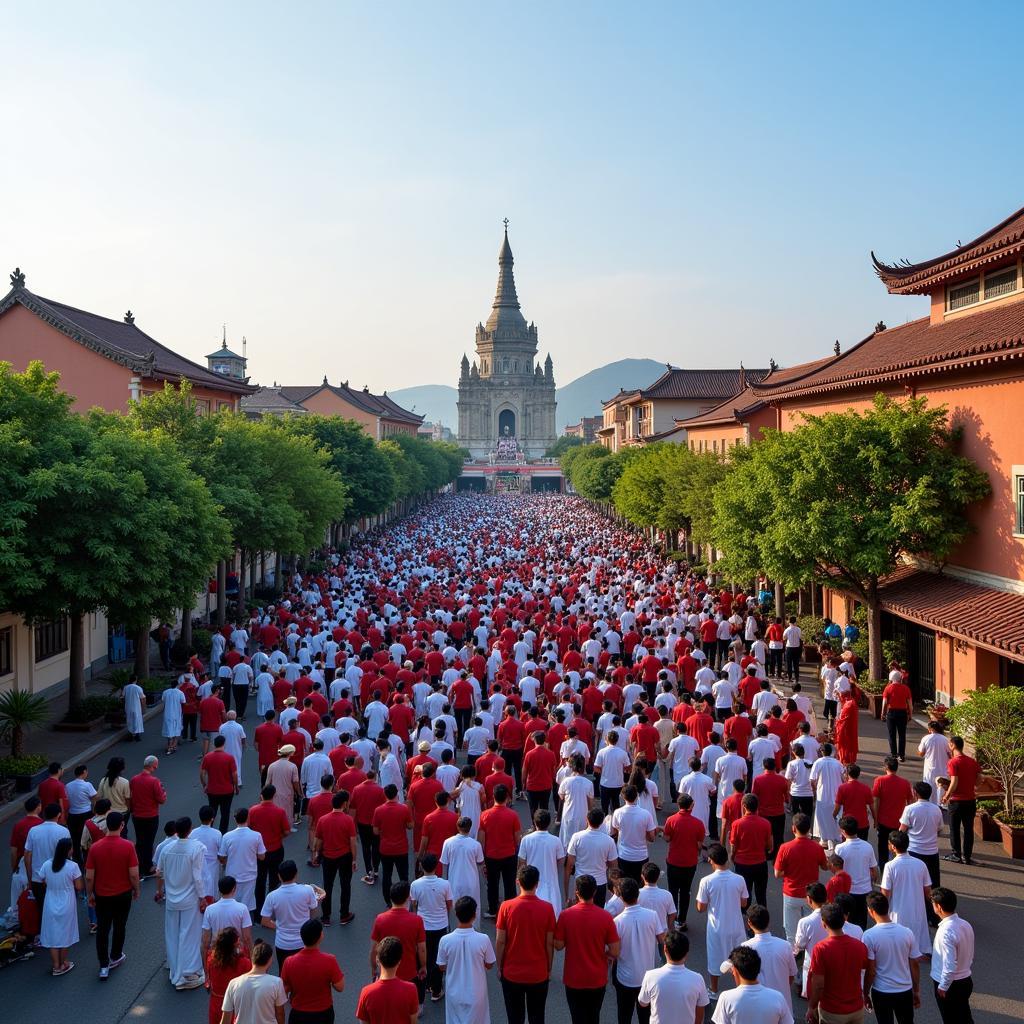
<point x="677" y="383"/>
<point x="978" y="614"/>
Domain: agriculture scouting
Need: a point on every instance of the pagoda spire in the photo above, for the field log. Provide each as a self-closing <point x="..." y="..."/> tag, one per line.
<point x="505" y="310"/>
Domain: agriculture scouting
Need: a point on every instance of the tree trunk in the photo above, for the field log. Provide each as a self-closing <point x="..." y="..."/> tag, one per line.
<point x="76" y="658"/>
<point x="222" y="585"/>
<point x="814" y="602"/>
<point x="186" y="628"/>
<point x="780" y="601"/>
<point x="278" y="570"/>
<point x="876" y="666"/>
<point x="142" y="652"/>
<point x="240" y="612"/>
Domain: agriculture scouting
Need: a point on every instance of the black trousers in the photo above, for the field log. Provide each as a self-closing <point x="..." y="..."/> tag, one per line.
<point x="802" y="805"/>
<point x="241" y="695"/>
<point x="601" y="895"/>
<point x="145" y="837"/>
<point x="584" y="1004"/>
<point x="111" y="917"/>
<point x="883" y="845"/>
<point x="266" y="875"/>
<point x="778" y="824"/>
<point x="756" y="877"/>
<point x="435" y="979"/>
<point x="722" y="652"/>
<point x="371" y="847"/>
<point x="221" y="802"/>
<point x="610" y="798"/>
<point x="893" y="1006"/>
<point x="626" y="1003"/>
<point x="537" y="799"/>
<point x="859" y="913"/>
<point x="76" y="822"/>
<point x="339" y="868"/>
<point x="388" y="864"/>
<point x="793" y="663"/>
<point x="933" y="864"/>
<point x="774" y="665"/>
<point x="713" y="815"/>
<point x="311" y="1016"/>
<point x="501" y="869"/>
<point x="896" y="726"/>
<point x="282" y="955"/>
<point x="831" y="709"/>
<point x="463" y="720"/>
<point x="632" y="869"/>
<point x="524" y="1002"/>
<point x="955" y="1005"/>
<point x="680" y="885"/>
<point x="514" y="766"/>
<point x="189" y="725"/>
<point x="961" y="815"/>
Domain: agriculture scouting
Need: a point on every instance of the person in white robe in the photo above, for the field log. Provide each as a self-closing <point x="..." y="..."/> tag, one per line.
<point x="234" y="741"/>
<point x="465" y="956"/>
<point x="134" y="701"/>
<point x="59" y="923"/>
<point x="826" y="777"/>
<point x="545" y="852"/>
<point x="723" y="895"/>
<point x="173" y="700"/>
<point x="181" y="882"/>
<point x="907" y="885"/>
<point x="577" y="795"/>
<point x="264" y="693"/>
<point x="209" y="837"/>
<point x="469" y="795"/>
<point x="461" y="856"/>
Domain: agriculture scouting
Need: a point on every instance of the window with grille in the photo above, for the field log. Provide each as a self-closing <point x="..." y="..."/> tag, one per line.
<point x="6" y="650"/>
<point x="51" y="638"/>
<point x="1001" y="282"/>
<point x="1018" y="499"/>
<point x="962" y="295"/>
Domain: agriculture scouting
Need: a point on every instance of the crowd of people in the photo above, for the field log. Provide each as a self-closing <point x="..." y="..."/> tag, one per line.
<point x="490" y="712"/>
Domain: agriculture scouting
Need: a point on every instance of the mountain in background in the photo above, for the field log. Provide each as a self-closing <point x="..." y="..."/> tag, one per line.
<point x="582" y="397"/>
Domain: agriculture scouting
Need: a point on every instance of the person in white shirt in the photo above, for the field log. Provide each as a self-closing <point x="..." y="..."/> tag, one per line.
<point x="701" y="788"/>
<point x="240" y="850"/>
<point x="728" y="768"/>
<point x="952" y="959"/>
<point x="826" y="777"/>
<point x="209" y="838"/>
<point x="681" y="749"/>
<point x="431" y="898"/>
<point x="257" y="997"/>
<point x="465" y="956"/>
<point x="81" y="793"/>
<point x="760" y="748"/>
<point x="811" y="930"/>
<point x="640" y="936"/>
<point x="798" y="775"/>
<point x="633" y="828"/>
<point x="861" y="864"/>
<point x="653" y="897"/>
<point x="793" y="638"/>
<point x="750" y="1002"/>
<point x="922" y="821"/>
<point x="723" y="896"/>
<point x="227" y="912"/>
<point x="592" y="852"/>
<point x="40" y="843"/>
<point x="673" y="992"/>
<point x="905" y="880"/>
<point x="314" y="767"/>
<point x="892" y="982"/>
<point x="546" y="853"/>
<point x="610" y="766"/>
<point x="778" y="965"/>
<point x="234" y="741"/>
<point x="462" y="856"/>
<point x="181" y="878"/>
<point x="934" y="748"/>
<point x="287" y="908"/>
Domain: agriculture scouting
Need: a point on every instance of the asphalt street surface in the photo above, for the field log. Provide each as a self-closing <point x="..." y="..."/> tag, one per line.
<point x="140" y="991"/>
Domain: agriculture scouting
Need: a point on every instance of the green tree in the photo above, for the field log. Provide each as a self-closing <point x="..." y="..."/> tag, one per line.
<point x="689" y="491"/>
<point x="562" y="445"/>
<point x="639" y="492"/>
<point x="839" y="499"/>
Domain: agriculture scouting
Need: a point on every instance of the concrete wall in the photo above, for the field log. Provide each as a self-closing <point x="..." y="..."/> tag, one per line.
<point x="50" y="676"/>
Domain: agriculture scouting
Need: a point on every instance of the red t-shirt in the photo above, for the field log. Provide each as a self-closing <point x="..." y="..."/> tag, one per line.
<point x="526" y="921"/>
<point x="388" y="1001"/>
<point x="839" y="883"/>
<point x="511" y="734"/>
<point x="771" y="790"/>
<point x="645" y="739"/>
<point x="308" y="977"/>
<point x="317" y="806"/>
<point x="699" y="727"/>
<point x="219" y="767"/>
<point x="408" y="928"/>
<point x="461" y="694"/>
<point x="893" y="793"/>
<point x="751" y="839"/>
<point x="147" y="794"/>
<point x="21" y="830"/>
<point x="897" y="696"/>
<point x="685" y="835"/>
<point x="52" y="791"/>
<point x="854" y="798"/>
<point x="839" y="959"/>
<point x="391" y="819"/>
<point x="211" y="714"/>
<point x="364" y="801"/>
<point x="800" y="861"/>
<point x="336" y="831"/>
<point x="438" y="826"/>
<point x="271" y="822"/>
<point x="111" y="858"/>
<point x="267" y="738"/>
<point x="499" y="823"/>
<point x="966" y="771"/>
<point x="586" y="930"/>
<point x="539" y="767"/>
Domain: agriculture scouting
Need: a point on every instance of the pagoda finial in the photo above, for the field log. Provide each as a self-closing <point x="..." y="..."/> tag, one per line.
<point x="835" y="347"/>
<point x="879" y="327"/>
<point x="129" y="317"/>
<point x="17" y="278"/>
<point x="772" y="365"/>
<point x="505" y="222"/>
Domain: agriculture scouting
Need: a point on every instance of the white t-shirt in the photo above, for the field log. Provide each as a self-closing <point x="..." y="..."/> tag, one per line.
<point x="633" y="823"/>
<point x="660" y="901"/>
<point x="799" y="777"/>
<point x="892" y="947"/>
<point x="253" y="998"/>
<point x="593" y="850"/>
<point x="638" y="930"/>
<point x="241" y="848"/>
<point x="858" y="860"/>
<point x="430" y="894"/>
<point x="751" y="1004"/>
<point x="613" y="762"/>
<point x="680" y="749"/>
<point x="80" y="793"/>
<point x="673" y="993"/>
<point x="778" y="965"/>
<point x="923" y="820"/>
<point x="226" y="913"/>
<point x="289" y="905"/>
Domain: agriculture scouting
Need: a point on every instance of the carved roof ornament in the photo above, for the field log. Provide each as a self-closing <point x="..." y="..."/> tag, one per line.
<point x="129" y="317"/>
<point x="836" y="348"/>
<point x="17" y="278"/>
<point x="879" y="327"/>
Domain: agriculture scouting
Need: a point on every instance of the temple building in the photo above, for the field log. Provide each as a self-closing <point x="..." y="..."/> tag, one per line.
<point x="505" y="396"/>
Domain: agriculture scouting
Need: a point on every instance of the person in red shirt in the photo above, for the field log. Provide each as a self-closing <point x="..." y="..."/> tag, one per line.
<point x="498" y="834"/>
<point x="147" y="794"/>
<point x="834" y="982"/>
<point x="772" y="792"/>
<point x="420" y="799"/>
<point x="700" y="724"/>
<point x="891" y="794"/>
<point x="684" y="835"/>
<point x="21" y="830"/>
<point x="798" y="863"/>
<point x="484" y="764"/>
<point x="499" y="777"/>
<point x="400" y="923"/>
<point x="316" y="807"/>
<point x="282" y="690"/>
<point x="644" y="739"/>
<point x="224" y="962"/>
<point x="268" y="738"/>
<point x="352" y="775"/>
<point x="334" y="845"/>
<point x="897" y="707"/>
<point x="512" y="738"/>
<point x="590" y="939"/>
<point x="539" y="767"/>
<point x="524" y="947"/>
<point x="439" y="825"/>
<point x="855" y="799"/>
<point x="211" y="717"/>
<point x="363" y="803"/>
<point x="960" y="797"/>
<point x="218" y="775"/>
<point x="111" y="884"/>
<point x="52" y="791"/>
<point x="750" y="840"/>
<point x="273" y="823"/>
<point x="389" y="999"/>
<point x="392" y="823"/>
<point x="841" y="880"/>
<point x="311" y="977"/>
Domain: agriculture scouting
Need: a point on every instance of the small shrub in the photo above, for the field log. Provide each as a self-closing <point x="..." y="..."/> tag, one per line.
<point x="29" y="764"/>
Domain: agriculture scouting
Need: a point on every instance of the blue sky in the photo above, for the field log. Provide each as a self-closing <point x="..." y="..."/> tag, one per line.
<point x="701" y="184"/>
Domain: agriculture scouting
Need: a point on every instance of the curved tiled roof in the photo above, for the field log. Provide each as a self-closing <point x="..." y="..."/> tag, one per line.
<point x="914" y="349"/>
<point x="375" y="405"/>
<point x="1004" y="240"/>
<point x="698" y="384"/>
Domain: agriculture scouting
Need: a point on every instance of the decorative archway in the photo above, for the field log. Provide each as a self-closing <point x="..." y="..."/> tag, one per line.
<point x="506" y="423"/>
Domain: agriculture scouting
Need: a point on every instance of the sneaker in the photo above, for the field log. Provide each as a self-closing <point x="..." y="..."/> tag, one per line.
<point x="104" y="973"/>
<point x="118" y="961"/>
<point x="490" y="917"/>
<point x="437" y="997"/>
<point x="953" y="858"/>
<point x="93" y="929"/>
<point x="712" y="996"/>
<point x="325" y="921"/>
<point x="347" y="919"/>
<point x="190" y="981"/>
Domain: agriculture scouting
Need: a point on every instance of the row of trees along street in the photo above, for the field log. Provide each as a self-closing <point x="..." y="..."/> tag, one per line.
<point x="132" y="513"/>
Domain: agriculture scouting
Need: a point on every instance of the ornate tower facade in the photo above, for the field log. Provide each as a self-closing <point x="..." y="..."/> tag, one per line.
<point x="506" y="392"/>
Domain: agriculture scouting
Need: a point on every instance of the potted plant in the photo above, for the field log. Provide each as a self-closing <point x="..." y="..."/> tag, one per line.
<point x="88" y="716"/>
<point x="993" y="720"/>
<point x="872" y="690"/>
<point x="985" y="825"/>
<point x="25" y="772"/>
<point x="936" y="711"/>
<point x="19" y="712"/>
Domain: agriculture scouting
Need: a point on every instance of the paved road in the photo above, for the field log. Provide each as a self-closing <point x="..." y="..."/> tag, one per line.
<point x="140" y="991"/>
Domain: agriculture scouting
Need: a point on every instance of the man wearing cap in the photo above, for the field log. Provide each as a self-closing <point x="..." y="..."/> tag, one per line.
<point x="284" y="777"/>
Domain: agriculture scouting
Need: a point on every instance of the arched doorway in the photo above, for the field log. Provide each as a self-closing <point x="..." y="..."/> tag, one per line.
<point x="506" y="423"/>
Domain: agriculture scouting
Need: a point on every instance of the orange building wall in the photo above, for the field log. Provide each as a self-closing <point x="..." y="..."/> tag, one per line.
<point x="327" y="403"/>
<point x="986" y="404"/>
<point x="91" y="378"/>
